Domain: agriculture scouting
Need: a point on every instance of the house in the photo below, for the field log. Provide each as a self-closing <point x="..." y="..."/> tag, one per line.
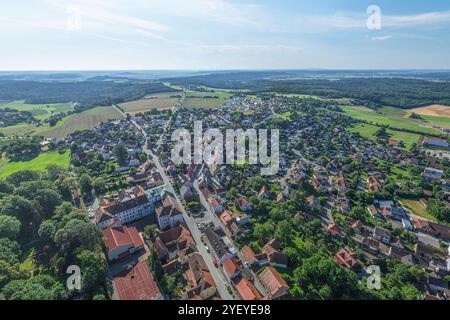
<point x="374" y="212"/>
<point x="227" y="217"/>
<point x="137" y="284"/>
<point x="312" y="202"/>
<point x="439" y="143"/>
<point x="281" y="197"/>
<point x="243" y="204"/>
<point x="231" y="268"/>
<point x="333" y="230"/>
<point x="127" y="206"/>
<point x="188" y="192"/>
<point x="249" y="256"/>
<point x="169" y="215"/>
<point x="173" y="243"/>
<point x="274" y="256"/>
<point x="382" y="235"/>
<point x="218" y="246"/>
<point x="273" y="282"/>
<point x="264" y="193"/>
<point x="432" y="174"/>
<point x="347" y="259"/>
<point x="201" y="284"/>
<point x="431" y="228"/>
<point x="247" y="290"/>
<point x="121" y="241"/>
<point x="216" y="205"/>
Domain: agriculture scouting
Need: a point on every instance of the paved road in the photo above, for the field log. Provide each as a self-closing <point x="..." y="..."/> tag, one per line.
<point x="216" y="221"/>
<point x="219" y="279"/>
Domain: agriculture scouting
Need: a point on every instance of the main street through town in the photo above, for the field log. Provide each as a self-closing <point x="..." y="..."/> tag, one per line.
<point x="222" y="283"/>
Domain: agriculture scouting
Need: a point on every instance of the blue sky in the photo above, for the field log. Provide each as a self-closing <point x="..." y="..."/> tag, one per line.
<point x="222" y="34"/>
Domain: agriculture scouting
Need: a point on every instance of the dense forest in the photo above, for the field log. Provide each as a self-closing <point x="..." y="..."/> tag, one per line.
<point x="85" y="93"/>
<point x="396" y="92"/>
<point x="42" y="234"/>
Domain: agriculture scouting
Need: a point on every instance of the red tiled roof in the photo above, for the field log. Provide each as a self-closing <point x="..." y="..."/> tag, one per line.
<point x="346" y="258"/>
<point x="273" y="281"/>
<point x="249" y="255"/>
<point x="230" y="267"/>
<point x="247" y="290"/>
<point x="137" y="284"/>
<point x="118" y="235"/>
<point x="227" y="217"/>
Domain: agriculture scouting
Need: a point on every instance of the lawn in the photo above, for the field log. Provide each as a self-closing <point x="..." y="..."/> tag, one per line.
<point x="392" y="117"/>
<point x="368" y="131"/>
<point x="417" y="208"/>
<point x="39" y="163"/>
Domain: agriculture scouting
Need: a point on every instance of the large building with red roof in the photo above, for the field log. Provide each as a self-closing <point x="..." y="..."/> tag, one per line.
<point x="273" y="282"/>
<point x="120" y="241"/>
<point x="247" y="290"/>
<point x="137" y="284"/>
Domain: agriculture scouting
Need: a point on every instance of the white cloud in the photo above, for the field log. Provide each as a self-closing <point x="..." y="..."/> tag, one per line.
<point x="381" y="38"/>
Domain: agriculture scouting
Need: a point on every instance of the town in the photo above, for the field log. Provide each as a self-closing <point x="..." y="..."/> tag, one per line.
<point x="339" y="203"/>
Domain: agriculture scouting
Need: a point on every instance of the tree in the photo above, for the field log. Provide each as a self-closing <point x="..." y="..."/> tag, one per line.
<point x="263" y="232"/>
<point x="48" y="200"/>
<point x="155" y="265"/>
<point x="94" y="271"/>
<point x="9" y="250"/>
<point x="283" y="232"/>
<point x="6" y="187"/>
<point x="77" y="235"/>
<point x="99" y="185"/>
<point x="9" y="227"/>
<point x="9" y="272"/>
<point x="86" y="184"/>
<point x="47" y="230"/>
<point x="40" y="287"/>
<point x="151" y="231"/>
<point x="121" y="154"/>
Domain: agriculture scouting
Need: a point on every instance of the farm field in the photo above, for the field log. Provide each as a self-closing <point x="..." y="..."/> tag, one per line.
<point x="393" y="117"/>
<point x="307" y="96"/>
<point x="85" y="120"/>
<point x="39" y="111"/>
<point x="205" y="100"/>
<point x="368" y="131"/>
<point x="417" y="208"/>
<point x="39" y="163"/>
<point x="435" y="110"/>
<point x="149" y="103"/>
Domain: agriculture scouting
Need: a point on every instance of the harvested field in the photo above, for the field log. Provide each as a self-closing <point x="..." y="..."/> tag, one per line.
<point x="149" y="103"/>
<point x="435" y="110"/>
<point x="83" y="121"/>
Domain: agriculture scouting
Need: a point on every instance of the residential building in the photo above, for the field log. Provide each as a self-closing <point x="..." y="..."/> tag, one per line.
<point x="247" y="290"/>
<point x="121" y="241"/>
<point x="273" y="282"/>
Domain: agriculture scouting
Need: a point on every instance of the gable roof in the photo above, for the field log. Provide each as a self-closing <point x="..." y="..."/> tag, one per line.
<point x="249" y="255"/>
<point x="137" y="284"/>
<point x="272" y="280"/>
<point x="118" y="235"/>
<point x="247" y="290"/>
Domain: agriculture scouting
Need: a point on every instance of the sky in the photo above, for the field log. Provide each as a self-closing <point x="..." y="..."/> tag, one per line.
<point x="224" y="34"/>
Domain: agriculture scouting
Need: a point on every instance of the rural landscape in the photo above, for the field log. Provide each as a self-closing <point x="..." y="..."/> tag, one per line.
<point x="266" y="155"/>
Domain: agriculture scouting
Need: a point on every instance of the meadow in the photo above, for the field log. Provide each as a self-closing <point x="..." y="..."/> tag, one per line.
<point x="39" y="111"/>
<point x="392" y="117"/>
<point x="369" y="131"/>
<point x="149" y="103"/>
<point x="39" y="163"/>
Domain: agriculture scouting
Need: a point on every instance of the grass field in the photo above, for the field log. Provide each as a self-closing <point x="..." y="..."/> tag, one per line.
<point x="202" y="103"/>
<point x="146" y="104"/>
<point x="393" y="117"/>
<point x="39" y="111"/>
<point x="85" y="120"/>
<point x="39" y="163"/>
<point x="307" y="96"/>
<point x="368" y="131"/>
<point x="417" y="208"/>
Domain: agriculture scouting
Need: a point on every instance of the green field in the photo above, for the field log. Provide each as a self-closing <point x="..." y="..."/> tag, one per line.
<point x="39" y="163"/>
<point x="39" y="111"/>
<point x="417" y="208"/>
<point x="368" y="131"/>
<point x="392" y="117"/>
